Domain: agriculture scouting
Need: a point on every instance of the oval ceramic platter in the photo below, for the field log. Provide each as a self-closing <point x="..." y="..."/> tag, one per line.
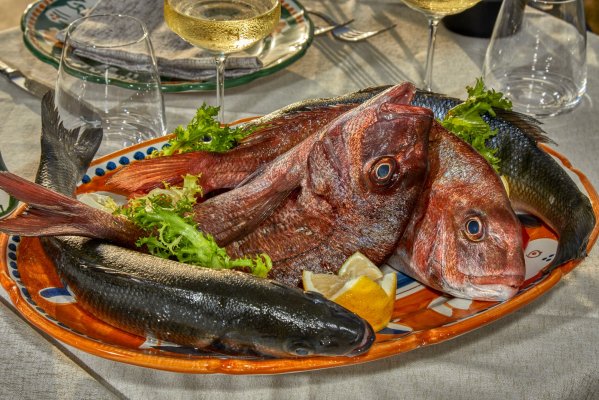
<point x="421" y="316"/>
<point x="45" y="18"/>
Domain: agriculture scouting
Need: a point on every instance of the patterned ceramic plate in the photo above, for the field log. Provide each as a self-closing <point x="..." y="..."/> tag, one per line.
<point x="421" y="316"/>
<point x="44" y="18"/>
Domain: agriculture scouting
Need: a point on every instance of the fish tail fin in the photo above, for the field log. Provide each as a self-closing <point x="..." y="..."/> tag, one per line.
<point x="574" y="238"/>
<point x="66" y="154"/>
<point x="146" y="175"/>
<point x="54" y="214"/>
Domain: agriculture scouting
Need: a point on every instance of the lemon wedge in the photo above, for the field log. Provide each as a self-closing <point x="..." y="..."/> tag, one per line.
<point x="325" y="284"/>
<point x="359" y="265"/>
<point x="360" y="287"/>
<point x="506" y="185"/>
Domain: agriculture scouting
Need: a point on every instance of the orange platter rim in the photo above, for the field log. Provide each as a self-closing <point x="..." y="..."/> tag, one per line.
<point x="241" y="366"/>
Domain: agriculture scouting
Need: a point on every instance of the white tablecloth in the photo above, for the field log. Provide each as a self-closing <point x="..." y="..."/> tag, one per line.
<point x="547" y="350"/>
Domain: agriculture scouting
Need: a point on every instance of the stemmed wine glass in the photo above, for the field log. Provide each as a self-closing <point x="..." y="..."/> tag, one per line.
<point x="222" y="27"/>
<point x="435" y="10"/>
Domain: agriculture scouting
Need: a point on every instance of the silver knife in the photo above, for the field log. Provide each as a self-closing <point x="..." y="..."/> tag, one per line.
<point x="15" y="76"/>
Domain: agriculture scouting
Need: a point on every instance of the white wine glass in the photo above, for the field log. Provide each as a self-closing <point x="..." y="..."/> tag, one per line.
<point x="222" y="27"/>
<point x="435" y="10"/>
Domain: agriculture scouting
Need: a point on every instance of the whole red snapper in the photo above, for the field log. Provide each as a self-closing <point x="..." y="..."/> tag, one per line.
<point x="463" y="238"/>
<point x="350" y="187"/>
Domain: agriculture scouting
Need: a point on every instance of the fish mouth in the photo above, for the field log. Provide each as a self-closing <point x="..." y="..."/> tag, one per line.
<point x="488" y="288"/>
<point x="366" y="343"/>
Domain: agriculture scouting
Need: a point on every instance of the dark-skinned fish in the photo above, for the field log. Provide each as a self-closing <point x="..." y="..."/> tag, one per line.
<point x="223" y="311"/>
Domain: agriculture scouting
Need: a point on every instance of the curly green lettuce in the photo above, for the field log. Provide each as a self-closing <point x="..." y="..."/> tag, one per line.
<point x="204" y="133"/>
<point x="465" y="120"/>
<point x="172" y="233"/>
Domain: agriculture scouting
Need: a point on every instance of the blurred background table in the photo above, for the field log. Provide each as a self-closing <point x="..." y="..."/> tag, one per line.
<point x="547" y="350"/>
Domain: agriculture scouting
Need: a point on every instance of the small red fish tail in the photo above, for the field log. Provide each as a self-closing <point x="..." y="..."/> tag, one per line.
<point x="145" y="175"/>
<point x="54" y="214"/>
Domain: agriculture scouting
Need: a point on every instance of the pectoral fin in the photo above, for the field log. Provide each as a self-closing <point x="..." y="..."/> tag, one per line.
<point x="232" y="215"/>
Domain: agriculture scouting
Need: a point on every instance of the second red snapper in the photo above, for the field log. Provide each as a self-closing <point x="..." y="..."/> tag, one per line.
<point x="463" y="238"/>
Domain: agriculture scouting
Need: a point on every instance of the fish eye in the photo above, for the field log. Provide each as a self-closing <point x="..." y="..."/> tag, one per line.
<point x="302" y="351"/>
<point x="383" y="171"/>
<point x="300" y="348"/>
<point x="474" y="229"/>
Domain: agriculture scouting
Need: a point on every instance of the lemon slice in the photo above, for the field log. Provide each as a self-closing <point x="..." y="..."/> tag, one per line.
<point x="359" y="265"/>
<point x="368" y="299"/>
<point x="389" y="284"/>
<point x="360" y="287"/>
<point x="506" y="185"/>
<point x="325" y="284"/>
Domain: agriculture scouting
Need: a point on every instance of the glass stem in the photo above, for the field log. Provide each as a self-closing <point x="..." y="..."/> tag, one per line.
<point x="433" y="23"/>
<point x="220" y="85"/>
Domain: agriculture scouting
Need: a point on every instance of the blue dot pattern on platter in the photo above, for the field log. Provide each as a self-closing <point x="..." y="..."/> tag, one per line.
<point x="57" y="295"/>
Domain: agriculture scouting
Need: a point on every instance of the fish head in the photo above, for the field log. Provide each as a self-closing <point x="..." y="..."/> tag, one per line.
<point x="464" y="238"/>
<point x="370" y="167"/>
<point x="311" y="325"/>
<point x="337" y="331"/>
<point x="480" y="243"/>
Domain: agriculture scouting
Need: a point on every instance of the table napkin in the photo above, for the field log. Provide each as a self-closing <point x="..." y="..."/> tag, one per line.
<point x="175" y="57"/>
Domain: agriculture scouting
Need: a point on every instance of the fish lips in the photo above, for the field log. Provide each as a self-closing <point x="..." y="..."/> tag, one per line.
<point x="488" y="288"/>
<point x="366" y="343"/>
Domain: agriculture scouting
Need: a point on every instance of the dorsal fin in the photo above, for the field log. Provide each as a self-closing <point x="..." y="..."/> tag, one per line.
<point x="145" y="175"/>
<point x="529" y="125"/>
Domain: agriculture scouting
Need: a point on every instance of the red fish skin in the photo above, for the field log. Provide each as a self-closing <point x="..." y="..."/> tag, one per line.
<point x="276" y="133"/>
<point x="338" y="208"/>
<point x="436" y="248"/>
<point x="235" y="213"/>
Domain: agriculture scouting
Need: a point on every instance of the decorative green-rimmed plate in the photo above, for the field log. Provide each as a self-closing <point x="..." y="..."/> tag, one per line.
<point x="45" y="18"/>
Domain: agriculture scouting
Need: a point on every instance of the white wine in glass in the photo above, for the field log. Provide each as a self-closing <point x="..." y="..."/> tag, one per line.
<point x="222" y="27"/>
<point x="435" y="10"/>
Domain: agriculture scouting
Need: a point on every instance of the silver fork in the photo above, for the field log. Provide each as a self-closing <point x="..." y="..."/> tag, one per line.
<point x="341" y="31"/>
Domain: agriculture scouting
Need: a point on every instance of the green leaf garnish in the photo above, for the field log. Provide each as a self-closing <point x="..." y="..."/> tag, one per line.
<point x="465" y="120"/>
<point x="172" y="233"/>
<point x="204" y="133"/>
